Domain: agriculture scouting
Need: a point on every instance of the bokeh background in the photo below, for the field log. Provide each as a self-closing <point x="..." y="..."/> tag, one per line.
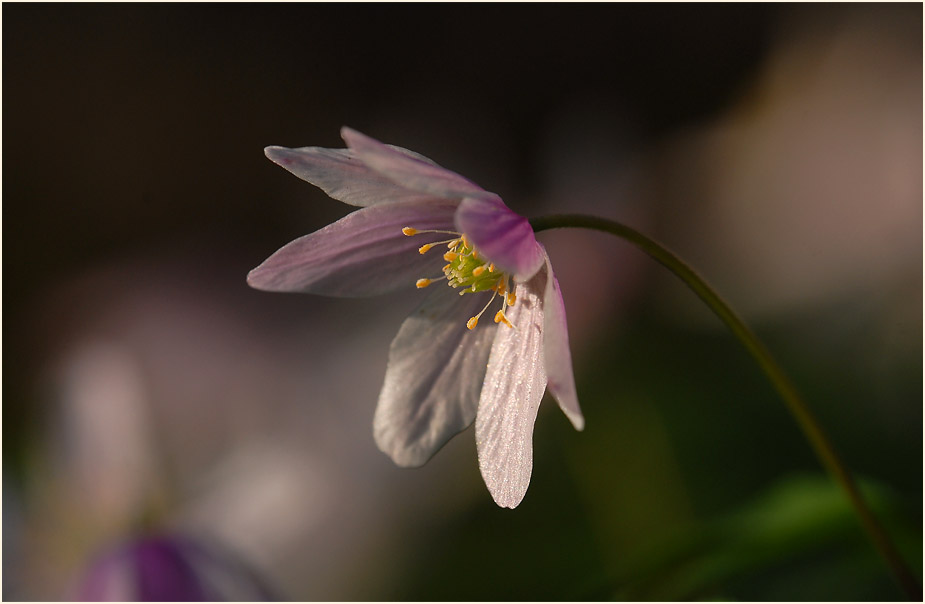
<point x="147" y="390"/>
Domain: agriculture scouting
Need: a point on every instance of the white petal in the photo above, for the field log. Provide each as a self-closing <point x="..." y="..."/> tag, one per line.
<point x="503" y="236"/>
<point x="434" y="376"/>
<point x="558" y="356"/>
<point x="410" y="170"/>
<point x="514" y="386"/>
<point x="340" y="174"/>
<point x="364" y="253"/>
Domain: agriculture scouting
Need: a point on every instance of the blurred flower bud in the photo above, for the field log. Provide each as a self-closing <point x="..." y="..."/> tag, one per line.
<point x="169" y="569"/>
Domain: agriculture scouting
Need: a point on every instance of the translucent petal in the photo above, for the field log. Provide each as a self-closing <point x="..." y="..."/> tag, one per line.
<point x="514" y="386"/>
<point x="410" y="171"/>
<point x="434" y="376"/>
<point x="340" y="174"/>
<point x="504" y="237"/>
<point x="556" y="349"/>
<point x="362" y="254"/>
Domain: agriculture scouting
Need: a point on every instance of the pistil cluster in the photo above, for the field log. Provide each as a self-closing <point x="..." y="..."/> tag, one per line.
<point x="469" y="272"/>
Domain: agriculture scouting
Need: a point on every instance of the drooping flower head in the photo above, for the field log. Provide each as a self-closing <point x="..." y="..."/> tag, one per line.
<point x="420" y="225"/>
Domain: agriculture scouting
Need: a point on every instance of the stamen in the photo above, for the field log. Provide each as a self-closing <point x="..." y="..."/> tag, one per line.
<point x="469" y="272"/>
<point x="471" y="323"/>
<point x="500" y="318"/>
<point x="409" y="231"/>
<point x="422" y="283"/>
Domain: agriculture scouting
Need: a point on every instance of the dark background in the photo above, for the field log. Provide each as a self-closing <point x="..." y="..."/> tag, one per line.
<point x="136" y="198"/>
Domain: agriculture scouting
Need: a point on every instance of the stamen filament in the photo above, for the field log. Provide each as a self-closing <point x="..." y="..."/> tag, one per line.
<point x="471" y="323"/>
<point x="411" y="231"/>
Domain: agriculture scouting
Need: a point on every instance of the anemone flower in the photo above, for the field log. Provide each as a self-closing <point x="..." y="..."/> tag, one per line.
<point x="422" y="225"/>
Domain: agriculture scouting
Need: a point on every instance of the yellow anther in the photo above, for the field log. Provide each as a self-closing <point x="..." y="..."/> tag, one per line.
<point x="491" y="267"/>
<point x="453" y="243"/>
<point x="471" y="323"/>
<point x="423" y="283"/>
<point x="478" y="270"/>
<point x="450" y="256"/>
<point x="465" y="240"/>
<point x="500" y="318"/>
<point x="511" y="298"/>
<point x="425" y="247"/>
<point x="447" y="267"/>
<point x="409" y="231"/>
<point x="475" y="253"/>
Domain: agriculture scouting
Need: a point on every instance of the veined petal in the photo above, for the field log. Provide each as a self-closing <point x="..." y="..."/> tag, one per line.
<point x="556" y="350"/>
<point x="514" y="386"/>
<point x="410" y="171"/>
<point x="340" y="174"/>
<point x="434" y="376"/>
<point x="362" y="254"/>
<point x="503" y="236"/>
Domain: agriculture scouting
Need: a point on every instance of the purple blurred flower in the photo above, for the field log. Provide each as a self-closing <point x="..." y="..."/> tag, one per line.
<point x="162" y="569"/>
<point x="445" y="367"/>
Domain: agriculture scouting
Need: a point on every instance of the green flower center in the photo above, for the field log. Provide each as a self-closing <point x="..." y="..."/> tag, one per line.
<point x="469" y="272"/>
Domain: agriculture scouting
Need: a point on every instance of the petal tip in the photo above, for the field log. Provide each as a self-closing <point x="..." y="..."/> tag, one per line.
<point x="351" y="136"/>
<point x="278" y="155"/>
<point x="254" y="279"/>
<point x="507" y="501"/>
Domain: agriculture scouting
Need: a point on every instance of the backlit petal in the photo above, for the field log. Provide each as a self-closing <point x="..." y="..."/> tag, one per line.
<point x="556" y="350"/>
<point x="502" y="236"/>
<point x="415" y="173"/>
<point x="514" y="386"/>
<point x="434" y="376"/>
<point x="362" y="254"/>
<point x="340" y="174"/>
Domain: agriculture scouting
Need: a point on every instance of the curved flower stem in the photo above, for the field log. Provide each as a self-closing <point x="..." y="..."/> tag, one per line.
<point x="801" y="413"/>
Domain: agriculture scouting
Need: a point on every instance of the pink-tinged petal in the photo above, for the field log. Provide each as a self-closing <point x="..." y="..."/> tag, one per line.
<point x="434" y="376"/>
<point x="556" y="350"/>
<point x="340" y="174"/>
<point x="362" y="254"/>
<point x="514" y="386"/>
<point x="502" y="236"/>
<point x="408" y="170"/>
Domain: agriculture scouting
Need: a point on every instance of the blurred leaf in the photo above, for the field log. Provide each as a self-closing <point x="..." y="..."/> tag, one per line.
<point x="798" y="540"/>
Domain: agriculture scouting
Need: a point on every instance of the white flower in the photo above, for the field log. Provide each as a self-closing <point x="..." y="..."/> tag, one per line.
<point x="446" y="367"/>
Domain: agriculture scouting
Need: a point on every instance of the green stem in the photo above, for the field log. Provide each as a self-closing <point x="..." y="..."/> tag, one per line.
<point x="808" y="424"/>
